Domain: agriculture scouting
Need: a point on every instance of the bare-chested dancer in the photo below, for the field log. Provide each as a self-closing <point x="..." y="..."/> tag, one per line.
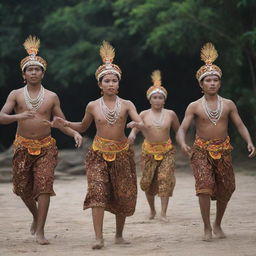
<point x="35" y="151"/>
<point x="157" y="159"/>
<point x="110" y="166"/>
<point x="211" y="154"/>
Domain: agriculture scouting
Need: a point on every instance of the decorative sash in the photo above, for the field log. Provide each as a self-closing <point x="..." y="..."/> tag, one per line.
<point x="33" y="146"/>
<point x="215" y="147"/>
<point x="109" y="148"/>
<point x="157" y="149"/>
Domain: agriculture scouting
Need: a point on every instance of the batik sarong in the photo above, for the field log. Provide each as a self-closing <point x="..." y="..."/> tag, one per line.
<point x="34" y="162"/>
<point x="111" y="177"/>
<point x="157" y="166"/>
<point x="211" y="162"/>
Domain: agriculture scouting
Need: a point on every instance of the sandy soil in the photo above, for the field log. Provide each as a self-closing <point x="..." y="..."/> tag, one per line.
<point x="70" y="230"/>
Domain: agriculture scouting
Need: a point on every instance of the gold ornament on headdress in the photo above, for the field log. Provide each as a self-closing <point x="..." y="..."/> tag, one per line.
<point x="156" y="78"/>
<point x="107" y="53"/>
<point x="156" y="87"/>
<point x="32" y="44"/>
<point x="208" y="54"/>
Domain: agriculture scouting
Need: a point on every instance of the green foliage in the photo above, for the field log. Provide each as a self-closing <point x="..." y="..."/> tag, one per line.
<point x="147" y="34"/>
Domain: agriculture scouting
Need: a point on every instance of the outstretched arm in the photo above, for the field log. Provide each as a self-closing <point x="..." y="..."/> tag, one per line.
<point x="57" y="113"/>
<point x="181" y="134"/>
<point x="5" y="114"/>
<point x="236" y="119"/>
<point x="134" y="131"/>
<point x="136" y="119"/>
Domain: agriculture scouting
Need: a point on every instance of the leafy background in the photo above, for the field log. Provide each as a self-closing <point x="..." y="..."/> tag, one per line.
<point x="147" y="35"/>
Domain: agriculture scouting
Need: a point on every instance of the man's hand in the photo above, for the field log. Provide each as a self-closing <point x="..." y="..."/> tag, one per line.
<point x="131" y="139"/>
<point x="251" y="150"/>
<point x="57" y="122"/>
<point x="78" y="139"/>
<point x="133" y="124"/>
<point x="186" y="150"/>
<point x="29" y="114"/>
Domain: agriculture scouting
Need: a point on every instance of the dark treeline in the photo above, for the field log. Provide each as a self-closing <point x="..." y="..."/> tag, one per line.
<point x="146" y="34"/>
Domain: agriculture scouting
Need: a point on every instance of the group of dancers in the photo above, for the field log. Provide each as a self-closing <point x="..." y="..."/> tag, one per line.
<point x="109" y="163"/>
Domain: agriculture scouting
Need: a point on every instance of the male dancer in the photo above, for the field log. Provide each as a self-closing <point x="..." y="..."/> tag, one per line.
<point x="211" y="154"/>
<point x="35" y="151"/>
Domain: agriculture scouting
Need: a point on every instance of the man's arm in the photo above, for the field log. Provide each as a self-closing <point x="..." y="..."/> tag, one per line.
<point x="134" y="131"/>
<point x="181" y="134"/>
<point x="57" y="113"/>
<point x="136" y="119"/>
<point x="5" y="113"/>
<point x="236" y="119"/>
<point x="175" y="122"/>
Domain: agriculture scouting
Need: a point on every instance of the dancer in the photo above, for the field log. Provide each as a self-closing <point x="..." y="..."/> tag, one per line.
<point x="211" y="153"/>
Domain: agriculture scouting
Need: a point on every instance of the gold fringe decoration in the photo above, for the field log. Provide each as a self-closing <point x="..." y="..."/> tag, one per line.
<point x="156" y="78"/>
<point x="107" y="52"/>
<point x="32" y="44"/>
<point x="208" y="53"/>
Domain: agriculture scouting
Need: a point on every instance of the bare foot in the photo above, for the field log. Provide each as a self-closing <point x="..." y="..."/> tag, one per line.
<point x="120" y="240"/>
<point x="33" y="227"/>
<point x="218" y="232"/>
<point x="99" y="243"/>
<point x="164" y="218"/>
<point x="152" y="215"/>
<point x="40" y="239"/>
<point x="207" y="235"/>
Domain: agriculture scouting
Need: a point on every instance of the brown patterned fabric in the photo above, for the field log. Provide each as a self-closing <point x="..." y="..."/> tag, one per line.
<point x="34" y="174"/>
<point x="158" y="175"/>
<point x="213" y="176"/>
<point x="111" y="185"/>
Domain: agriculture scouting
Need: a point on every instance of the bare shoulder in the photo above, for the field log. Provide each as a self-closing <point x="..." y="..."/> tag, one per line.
<point x="193" y="105"/>
<point x="170" y="112"/>
<point x="143" y="113"/>
<point x="229" y="103"/>
<point x="92" y="105"/>
<point x="127" y="103"/>
<point x="50" y="94"/>
<point x="14" y="93"/>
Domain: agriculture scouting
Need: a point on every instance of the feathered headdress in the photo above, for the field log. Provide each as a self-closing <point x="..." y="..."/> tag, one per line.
<point x="32" y="44"/>
<point x="107" y="53"/>
<point x="156" y="87"/>
<point x="208" y="55"/>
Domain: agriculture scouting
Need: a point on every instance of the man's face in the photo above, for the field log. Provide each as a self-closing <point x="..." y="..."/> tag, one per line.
<point x="210" y="84"/>
<point x="33" y="75"/>
<point x="109" y="84"/>
<point x="157" y="100"/>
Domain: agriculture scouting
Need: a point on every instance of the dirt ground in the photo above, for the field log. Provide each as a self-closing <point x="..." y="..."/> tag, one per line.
<point x="70" y="229"/>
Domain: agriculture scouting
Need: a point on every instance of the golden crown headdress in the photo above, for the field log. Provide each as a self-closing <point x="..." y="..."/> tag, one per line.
<point x="156" y="87"/>
<point x="107" y="53"/>
<point x="208" y="55"/>
<point x="32" y="44"/>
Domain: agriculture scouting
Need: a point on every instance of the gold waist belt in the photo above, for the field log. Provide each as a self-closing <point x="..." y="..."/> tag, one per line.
<point x="33" y="146"/>
<point x="109" y="148"/>
<point x="157" y="149"/>
<point x="214" y="147"/>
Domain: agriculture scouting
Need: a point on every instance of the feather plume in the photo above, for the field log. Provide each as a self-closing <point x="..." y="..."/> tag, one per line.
<point x="107" y="52"/>
<point x="32" y="44"/>
<point x="208" y="53"/>
<point x="156" y="77"/>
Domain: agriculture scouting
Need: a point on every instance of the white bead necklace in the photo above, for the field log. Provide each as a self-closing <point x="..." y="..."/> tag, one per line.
<point x="33" y="104"/>
<point x="213" y="115"/>
<point x="157" y="122"/>
<point x="111" y="115"/>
